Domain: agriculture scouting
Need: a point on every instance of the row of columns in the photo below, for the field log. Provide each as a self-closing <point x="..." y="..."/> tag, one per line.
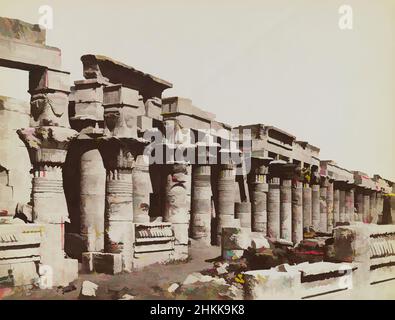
<point x="284" y="206"/>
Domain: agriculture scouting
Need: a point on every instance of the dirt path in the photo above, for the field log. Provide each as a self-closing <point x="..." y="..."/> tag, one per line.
<point x="149" y="283"/>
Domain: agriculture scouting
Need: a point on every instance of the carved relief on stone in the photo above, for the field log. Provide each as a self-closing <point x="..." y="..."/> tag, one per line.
<point x="47" y="144"/>
<point x="49" y="109"/>
<point x="120" y="122"/>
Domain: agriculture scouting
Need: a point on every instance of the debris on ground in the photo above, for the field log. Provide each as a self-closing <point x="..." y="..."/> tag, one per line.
<point x="173" y="287"/>
<point x="88" y="289"/>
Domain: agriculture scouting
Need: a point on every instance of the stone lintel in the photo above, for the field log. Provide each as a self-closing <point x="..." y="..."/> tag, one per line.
<point x="282" y="169"/>
<point x="98" y="66"/>
<point x="179" y="105"/>
<point x="120" y="96"/>
<point x="27" y="56"/>
<point x="43" y="80"/>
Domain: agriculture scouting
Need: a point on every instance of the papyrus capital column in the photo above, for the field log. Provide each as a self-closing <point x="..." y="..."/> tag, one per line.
<point x="260" y="189"/>
<point x="119" y="156"/>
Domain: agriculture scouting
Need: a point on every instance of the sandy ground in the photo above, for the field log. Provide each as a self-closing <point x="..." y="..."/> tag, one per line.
<point x="152" y="282"/>
<point x="149" y="283"/>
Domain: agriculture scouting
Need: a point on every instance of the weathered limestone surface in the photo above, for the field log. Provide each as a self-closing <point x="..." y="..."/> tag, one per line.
<point x="28" y="56"/>
<point x="226" y="196"/>
<point x="177" y="206"/>
<point x="307" y="206"/>
<point x="92" y="201"/>
<point x="297" y="212"/>
<point x="315" y="205"/>
<point x="15" y="181"/>
<point x="273" y="208"/>
<point x="20" y="30"/>
<point x="286" y="210"/>
<point x="201" y="203"/>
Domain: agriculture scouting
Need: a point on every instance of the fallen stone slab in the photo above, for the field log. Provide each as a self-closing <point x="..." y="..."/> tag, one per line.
<point x="88" y="289"/>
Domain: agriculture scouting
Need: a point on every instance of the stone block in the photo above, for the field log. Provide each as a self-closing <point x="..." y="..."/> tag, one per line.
<point x="20" y="274"/>
<point x="144" y="123"/>
<point x="28" y="56"/>
<point x="90" y="90"/>
<point x="109" y="263"/>
<point x="180" y="233"/>
<point x="118" y="95"/>
<point x="180" y="252"/>
<point x="44" y="79"/>
<point x="271" y="284"/>
<point x="89" y="110"/>
<point x="142" y="260"/>
<point x="23" y="31"/>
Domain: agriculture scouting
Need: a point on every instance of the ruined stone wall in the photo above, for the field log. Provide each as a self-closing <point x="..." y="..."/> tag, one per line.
<point x="15" y="180"/>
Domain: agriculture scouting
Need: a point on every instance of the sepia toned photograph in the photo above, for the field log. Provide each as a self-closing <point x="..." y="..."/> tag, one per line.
<point x="216" y="150"/>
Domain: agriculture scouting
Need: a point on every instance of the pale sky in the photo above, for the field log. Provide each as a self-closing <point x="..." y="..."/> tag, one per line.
<point x="281" y="62"/>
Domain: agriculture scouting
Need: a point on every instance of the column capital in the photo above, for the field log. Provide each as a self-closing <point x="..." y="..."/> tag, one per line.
<point x="120" y="153"/>
<point x="47" y="145"/>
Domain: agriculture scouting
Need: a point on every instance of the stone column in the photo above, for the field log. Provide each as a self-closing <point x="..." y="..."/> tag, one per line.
<point x="286" y="209"/>
<point x="342" y="205"/>
<point x="177" y="206"/>
<point x="366" y="206"/>
<point x="259" y="194"/>
<point x="119" y="161"/>
<point x="329" y="205"/>
<point x="119" y="148"/>
<point x="323" y="206"/>
<point x="379" y="203"/>
<point x="226" y="196"/>
<point x="315" y="204"/>
<point x="336" y="206"/>
<point x="359" y="203"/>
<point x="307" y="207"/>
<point x="92" y="194"/>
<point x="142" y="189"/>
<point x="201" y="203"/>
<point x="273" y="208"/>
<point x="259" y="205"/>
<point x="47" y="141"/>
<point x="243" y="213"/>
<point x="373" y="206"/>
<point x="349" y="196"/>
<point x="297" y="212"/>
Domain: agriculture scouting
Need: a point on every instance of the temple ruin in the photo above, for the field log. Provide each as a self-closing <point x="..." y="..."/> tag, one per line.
<point x="109" y="173"/>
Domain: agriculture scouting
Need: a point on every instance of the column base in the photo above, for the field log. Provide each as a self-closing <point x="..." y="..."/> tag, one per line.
<point x="109" y="263"/>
